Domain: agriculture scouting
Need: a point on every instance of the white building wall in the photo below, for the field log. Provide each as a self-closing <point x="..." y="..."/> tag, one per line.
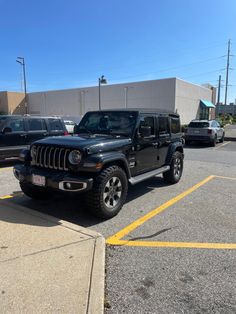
<point x="75" y="102"/>
<point x="168" y="94"/>
<point x="187" y="100"/>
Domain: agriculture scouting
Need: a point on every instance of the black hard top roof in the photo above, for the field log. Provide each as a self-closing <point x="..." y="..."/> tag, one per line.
<point x="141" y="110"/>
<point x="29" y="116"/>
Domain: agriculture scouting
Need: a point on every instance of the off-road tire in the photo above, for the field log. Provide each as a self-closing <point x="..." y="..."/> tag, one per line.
<point x="222" y="139"/>
<point x="176" y="169"/>
<point x="95" y="197"/>
<point x="34" y="192"/>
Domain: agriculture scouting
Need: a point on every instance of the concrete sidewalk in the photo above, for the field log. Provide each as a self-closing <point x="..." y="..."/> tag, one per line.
<point x="47" y="265"/>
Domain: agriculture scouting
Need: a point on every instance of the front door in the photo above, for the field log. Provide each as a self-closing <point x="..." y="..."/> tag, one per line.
<point x="146" y="147"/>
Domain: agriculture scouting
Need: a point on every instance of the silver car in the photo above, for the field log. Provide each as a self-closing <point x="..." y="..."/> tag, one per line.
<point x="204" y="131"/>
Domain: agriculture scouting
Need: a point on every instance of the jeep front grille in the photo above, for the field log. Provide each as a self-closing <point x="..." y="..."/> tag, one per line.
<point x="51" y="157"/>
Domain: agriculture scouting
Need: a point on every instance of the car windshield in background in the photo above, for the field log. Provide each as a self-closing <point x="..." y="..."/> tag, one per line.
<point x="2" y="119"/>
<point x="198" y="125"/>
<point x="118" y="123"/>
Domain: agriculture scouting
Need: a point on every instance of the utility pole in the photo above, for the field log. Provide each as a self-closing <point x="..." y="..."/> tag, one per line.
<point x="219" y="87"/>
<point x="227" y="73"/>
<point x="21" y="60"/>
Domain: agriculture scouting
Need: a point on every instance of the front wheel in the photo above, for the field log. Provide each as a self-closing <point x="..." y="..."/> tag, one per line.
<point x="109" y="192"/>
<point x="34" y="191"/>
<point x="176" y="169"/>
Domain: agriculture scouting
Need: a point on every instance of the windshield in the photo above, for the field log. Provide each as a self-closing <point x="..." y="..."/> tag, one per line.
<point x="198" y="125"/>
<point x="2" y="119"/>
<point x="119" y="123"/>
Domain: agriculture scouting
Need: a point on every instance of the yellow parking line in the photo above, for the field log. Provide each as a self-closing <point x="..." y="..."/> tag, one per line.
<point x="228" y="178"/>
<point x="224" y="144"/>
<point x="5" y="197"/>
<point x="192" y="245"/>
<point x="122" y="233"/>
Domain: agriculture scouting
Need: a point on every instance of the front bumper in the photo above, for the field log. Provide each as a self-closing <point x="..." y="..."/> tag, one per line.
<point x="57" y="180"/>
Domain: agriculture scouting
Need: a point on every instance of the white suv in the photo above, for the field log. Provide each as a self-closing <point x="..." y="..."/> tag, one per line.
<point x="204" y="131"/>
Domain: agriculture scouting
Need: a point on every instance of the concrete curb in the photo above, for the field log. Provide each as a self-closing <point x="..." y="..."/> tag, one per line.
<point x="232" y="139"/>
<point x="97" y="283"/>
<point x="95" y="301"/>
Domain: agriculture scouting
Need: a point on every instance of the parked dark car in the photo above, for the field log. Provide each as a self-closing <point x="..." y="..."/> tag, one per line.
<point x="112" y="148"/>
<point x="208" y="131"/>
<point x="18" y="132"/>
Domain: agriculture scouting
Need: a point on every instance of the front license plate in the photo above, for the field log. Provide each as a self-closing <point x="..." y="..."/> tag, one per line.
<point x="38" y="180"/>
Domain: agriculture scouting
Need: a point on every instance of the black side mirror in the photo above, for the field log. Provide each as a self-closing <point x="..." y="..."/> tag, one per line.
<point x="7" y="130"/>
<point x="145" y="131"/>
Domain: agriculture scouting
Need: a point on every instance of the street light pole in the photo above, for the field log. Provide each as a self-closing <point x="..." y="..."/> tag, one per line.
<point x="126" y="89"/>
<point x="21" y="60"/>
<point x="101" y="80"/>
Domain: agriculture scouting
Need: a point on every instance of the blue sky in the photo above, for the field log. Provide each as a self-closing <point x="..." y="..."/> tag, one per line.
<point x="69" y="44"/>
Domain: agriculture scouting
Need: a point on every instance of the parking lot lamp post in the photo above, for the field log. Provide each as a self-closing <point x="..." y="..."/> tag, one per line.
<point x="101" y="80"/>
<point x="21" y="60"/>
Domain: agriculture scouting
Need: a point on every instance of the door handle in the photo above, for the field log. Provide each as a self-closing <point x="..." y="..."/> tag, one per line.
<point x="23" y="135"/>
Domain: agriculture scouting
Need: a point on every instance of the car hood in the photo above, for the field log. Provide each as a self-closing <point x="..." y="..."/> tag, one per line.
<point x="90" y="144"/>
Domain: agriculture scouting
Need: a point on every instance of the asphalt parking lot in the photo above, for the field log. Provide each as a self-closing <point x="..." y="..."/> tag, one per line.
<point x="172" y="248"/>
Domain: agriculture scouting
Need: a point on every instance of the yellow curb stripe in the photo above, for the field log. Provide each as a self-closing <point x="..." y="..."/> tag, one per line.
<point x="122" y="233"/>
<point x="5" y="197"/>
<point x="192" y="245"/>
<point x="7" y="168"/>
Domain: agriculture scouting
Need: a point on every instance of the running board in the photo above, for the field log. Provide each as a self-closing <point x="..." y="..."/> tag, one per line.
<point x="147" y="175"/>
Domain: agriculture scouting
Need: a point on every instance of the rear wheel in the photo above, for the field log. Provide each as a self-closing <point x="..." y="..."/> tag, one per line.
<point x="109" y="192"/>
<point x="223" y="138"/>
<point x="176" y="169"/>
<point x="213" y="142"/>
<point x="34" y="191"/>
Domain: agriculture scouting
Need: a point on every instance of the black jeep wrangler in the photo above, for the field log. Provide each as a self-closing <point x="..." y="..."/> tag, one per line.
<point x="111" y="149"/>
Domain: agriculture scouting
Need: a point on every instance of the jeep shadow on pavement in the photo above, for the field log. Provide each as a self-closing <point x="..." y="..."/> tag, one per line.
<point x="112" y="149"/>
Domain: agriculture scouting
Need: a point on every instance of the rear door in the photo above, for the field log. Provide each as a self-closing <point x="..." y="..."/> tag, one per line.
<point x="164" y="138"/>
<point x="56" y="127"/>
<point x="218" y="129"/>
<point x="36" y="129"/>
<point x="13" y="137"/>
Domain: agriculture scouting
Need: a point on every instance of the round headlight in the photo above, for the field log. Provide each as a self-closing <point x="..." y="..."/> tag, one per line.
<point x="33" y="151"/>
<point x="75" y="157"/>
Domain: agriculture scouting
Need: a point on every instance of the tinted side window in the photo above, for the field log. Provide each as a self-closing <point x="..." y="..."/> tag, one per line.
<point x="36" y="125"/>
<point x="163" y="123"/>
<point x="175" y="125"/>
<point x="17" y="125"/>
<point x="55" y="125"/>
<point x="148" y="121"/>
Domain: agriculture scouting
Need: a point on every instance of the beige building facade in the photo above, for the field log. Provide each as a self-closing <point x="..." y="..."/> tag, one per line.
<point x="12" y="103"/>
